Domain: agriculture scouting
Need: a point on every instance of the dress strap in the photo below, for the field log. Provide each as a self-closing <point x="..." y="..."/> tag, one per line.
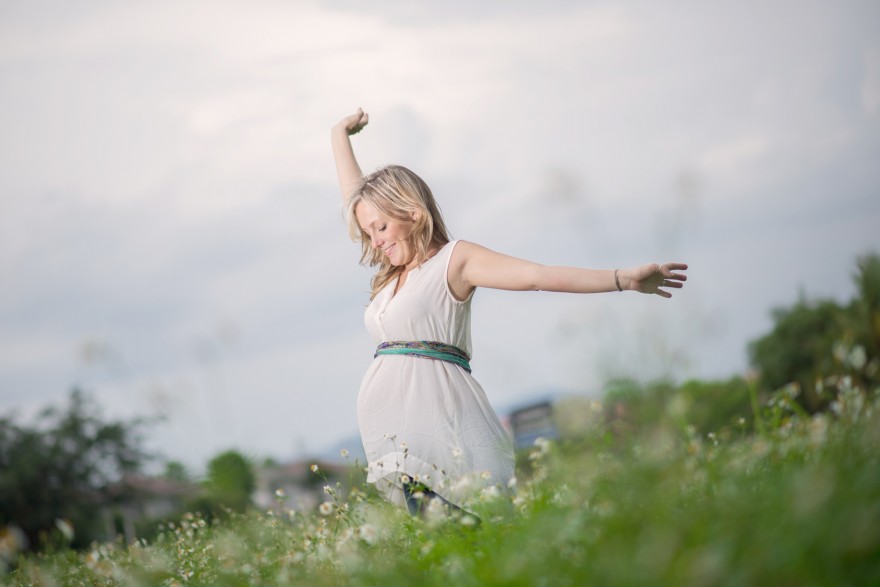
<point x="426" y="349"/>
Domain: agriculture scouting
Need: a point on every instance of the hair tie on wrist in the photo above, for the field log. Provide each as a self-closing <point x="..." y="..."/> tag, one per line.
<point x="617" y="281"/>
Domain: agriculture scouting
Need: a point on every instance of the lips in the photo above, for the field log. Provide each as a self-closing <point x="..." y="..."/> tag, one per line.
<point x="389" y="249"/>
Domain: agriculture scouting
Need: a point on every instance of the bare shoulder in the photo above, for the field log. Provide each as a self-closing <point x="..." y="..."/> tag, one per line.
<point x="464" y="248"/>
<point x="463" y="252"/>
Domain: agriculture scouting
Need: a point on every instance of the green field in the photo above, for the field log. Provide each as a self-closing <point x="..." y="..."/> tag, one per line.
<point x="794" y="502"/>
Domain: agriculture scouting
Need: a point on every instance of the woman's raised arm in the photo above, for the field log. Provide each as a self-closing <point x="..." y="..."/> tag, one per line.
<point x="347" y="169"/>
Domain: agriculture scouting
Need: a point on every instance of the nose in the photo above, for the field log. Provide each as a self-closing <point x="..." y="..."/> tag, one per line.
<point x="374" y="241"/>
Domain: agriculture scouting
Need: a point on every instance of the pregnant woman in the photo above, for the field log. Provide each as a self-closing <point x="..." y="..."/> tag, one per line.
<point x="428" y="430"/>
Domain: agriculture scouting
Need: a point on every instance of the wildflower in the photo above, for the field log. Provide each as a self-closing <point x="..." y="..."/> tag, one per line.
<point x="279" y="493"/>
<point x="456" y="452"/>
<point x="485" y="475"/>
<point x="328" y="490"/>
<point x="314" y="468"/>
<point x="326" y="508"/>
<point x="840" y="351"/>
<point x="741" y="422"/>
<point x="343" y="453"/>
<point x="435" y="512"/>
<point x="490" y="493"/>
<point x="405" y="479"/>
<point x="543" y="446"/>
<point x="468" y="520"/>
<point x="389" y="436"/>
<point x="818" y="429"/>
<point x="65" y="527"/>
<point x="92" y="558"/>
<point x="857" y="357"/>
<point x="368" y="533"/>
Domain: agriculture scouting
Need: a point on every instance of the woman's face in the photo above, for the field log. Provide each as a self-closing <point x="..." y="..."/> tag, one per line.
<point x="389" y="235"/>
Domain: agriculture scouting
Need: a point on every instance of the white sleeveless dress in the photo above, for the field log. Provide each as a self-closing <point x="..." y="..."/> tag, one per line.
<point x="427" y="418"/>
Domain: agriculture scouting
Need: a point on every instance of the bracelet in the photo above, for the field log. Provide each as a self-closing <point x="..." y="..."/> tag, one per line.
<point x="617" y="281"/>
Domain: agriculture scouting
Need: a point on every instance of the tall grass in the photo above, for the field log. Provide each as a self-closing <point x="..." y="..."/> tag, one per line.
<point x="796" y="504"/>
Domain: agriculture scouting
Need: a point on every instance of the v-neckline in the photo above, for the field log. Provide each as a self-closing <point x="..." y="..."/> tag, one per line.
<point x="398" y="287"/>
<point x="395" y="291"/>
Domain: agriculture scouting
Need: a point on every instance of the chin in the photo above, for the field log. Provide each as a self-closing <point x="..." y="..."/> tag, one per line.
<point x="396" y="259"/>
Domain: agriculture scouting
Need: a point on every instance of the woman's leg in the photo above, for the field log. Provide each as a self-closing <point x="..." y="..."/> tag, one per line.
<point x="418" y="496"/>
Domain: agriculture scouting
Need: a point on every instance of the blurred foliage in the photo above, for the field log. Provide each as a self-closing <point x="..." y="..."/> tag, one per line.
<point x="796" y="505"/>
<point x="814" y="342"/>
<point x="229" y="484"/>
<point x="865" y="309"/>
<point x="176" y="471"/>
<point x="720" y="407"/>
<point x="56" y="475"/>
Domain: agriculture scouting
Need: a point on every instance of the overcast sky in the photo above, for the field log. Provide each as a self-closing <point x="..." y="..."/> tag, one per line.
<point x="171" y="237"/>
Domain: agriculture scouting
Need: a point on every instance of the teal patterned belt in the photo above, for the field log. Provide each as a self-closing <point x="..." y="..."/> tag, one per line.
<point x="426" y="349"/>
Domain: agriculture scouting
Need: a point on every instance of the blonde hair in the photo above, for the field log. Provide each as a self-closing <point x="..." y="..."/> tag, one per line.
<point x="398" y="193"/>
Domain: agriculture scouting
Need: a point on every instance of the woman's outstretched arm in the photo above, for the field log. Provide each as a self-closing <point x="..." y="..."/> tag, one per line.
<point x="475" y="266"/>
<point x="347" y="169"/>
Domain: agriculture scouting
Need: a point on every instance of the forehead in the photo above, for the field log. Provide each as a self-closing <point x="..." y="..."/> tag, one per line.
<point x="367" y="214"/>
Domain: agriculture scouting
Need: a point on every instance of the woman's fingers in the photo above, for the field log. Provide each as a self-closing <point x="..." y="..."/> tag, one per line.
<point x="356" y="122"/>
<point x="365" y="119"/>
<point x="666" y="270"/>
<point x="674" y="266"/>
<point x="669" y="279"/>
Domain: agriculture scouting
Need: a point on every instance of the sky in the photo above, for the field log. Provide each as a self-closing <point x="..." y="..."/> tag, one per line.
<point x="171" y="233"/>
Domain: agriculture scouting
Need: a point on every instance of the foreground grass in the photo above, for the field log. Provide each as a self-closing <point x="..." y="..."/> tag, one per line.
<point x="796" y="505"/>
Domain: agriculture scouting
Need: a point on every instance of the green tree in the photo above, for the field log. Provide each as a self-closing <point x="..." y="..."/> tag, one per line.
<point x="800" y="348"/>
<point x="230" y="481"/>
<point x="708" y="406"/>
<point x="815" y="342"/>
<point x="68" y="466"/>
<point x="716" y="406"/>
<point x="176" y="471"/>
<point x="865" y="323"/>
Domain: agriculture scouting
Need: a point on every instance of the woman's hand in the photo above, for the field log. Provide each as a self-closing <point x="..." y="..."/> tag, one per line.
<point x="648" y="279"/>
<point x="353" y="123"/>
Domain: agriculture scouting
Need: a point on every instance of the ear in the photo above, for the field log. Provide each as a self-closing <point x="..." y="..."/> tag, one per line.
<point x="415" y="215"/>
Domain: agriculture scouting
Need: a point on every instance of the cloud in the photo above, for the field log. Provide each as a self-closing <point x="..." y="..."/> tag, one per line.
<point x="871" y="82"/>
